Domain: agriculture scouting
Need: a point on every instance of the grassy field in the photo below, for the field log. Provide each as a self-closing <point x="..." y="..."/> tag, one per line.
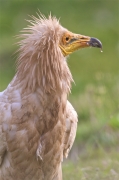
<point x="99" y="166"/>
<point x="95" y="94"/>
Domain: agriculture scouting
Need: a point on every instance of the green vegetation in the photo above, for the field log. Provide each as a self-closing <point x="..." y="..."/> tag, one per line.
<point x="102" y="167"/>
<point x="95" y="94"/>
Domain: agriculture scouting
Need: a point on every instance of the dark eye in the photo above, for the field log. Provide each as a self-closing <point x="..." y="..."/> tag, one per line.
<point x="67" y="38"/>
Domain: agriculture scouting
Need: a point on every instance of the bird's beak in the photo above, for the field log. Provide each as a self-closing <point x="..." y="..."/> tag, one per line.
<point x="71" y="42"/>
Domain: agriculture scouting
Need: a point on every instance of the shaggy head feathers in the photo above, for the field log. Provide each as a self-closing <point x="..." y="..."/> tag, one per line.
<point x="41" y="62"/>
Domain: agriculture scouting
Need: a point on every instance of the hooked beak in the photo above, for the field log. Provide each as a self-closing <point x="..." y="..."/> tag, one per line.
<point x="71" y="42"/>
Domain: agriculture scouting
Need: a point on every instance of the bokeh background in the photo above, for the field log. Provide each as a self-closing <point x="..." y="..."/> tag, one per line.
<point x="95" y="94"/>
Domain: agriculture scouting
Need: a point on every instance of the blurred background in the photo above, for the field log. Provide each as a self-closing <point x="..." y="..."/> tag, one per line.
<point x="95" y="94"/>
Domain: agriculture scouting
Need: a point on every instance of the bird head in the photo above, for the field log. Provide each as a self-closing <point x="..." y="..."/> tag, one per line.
<point x="71" y="42"/>
<point x="44" y="45"/>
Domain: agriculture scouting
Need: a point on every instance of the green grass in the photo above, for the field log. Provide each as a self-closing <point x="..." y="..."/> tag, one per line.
<point x="95" y="94"/>
<point x="98" y="167"/>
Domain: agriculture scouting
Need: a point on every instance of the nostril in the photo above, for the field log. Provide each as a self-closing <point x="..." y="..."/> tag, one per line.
<point x="82" y="38"/>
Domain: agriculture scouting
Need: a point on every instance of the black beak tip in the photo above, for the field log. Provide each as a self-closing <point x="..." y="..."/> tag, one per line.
<point x="95" y="43"/>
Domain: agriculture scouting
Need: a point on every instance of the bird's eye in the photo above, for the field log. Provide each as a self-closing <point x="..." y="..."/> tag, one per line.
<point x="67" y="38"/>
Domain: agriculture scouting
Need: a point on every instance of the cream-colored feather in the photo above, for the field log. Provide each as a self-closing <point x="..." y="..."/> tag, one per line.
<point x="37" y="123"/>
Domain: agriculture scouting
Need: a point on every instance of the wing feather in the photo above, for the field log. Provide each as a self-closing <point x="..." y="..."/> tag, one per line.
<point x="71" y="127"/>
<point x="2" y="136"/>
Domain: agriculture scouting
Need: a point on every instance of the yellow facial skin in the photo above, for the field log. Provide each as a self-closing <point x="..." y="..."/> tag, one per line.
<point x="71" y="42"/>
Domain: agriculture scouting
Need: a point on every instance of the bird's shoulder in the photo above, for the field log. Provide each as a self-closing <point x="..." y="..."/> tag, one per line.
<point x="8" y="102"/>
<point x="3" y="115"/>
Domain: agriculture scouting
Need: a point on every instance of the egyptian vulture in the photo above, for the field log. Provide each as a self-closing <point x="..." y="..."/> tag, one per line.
<point x="37" y="123"/>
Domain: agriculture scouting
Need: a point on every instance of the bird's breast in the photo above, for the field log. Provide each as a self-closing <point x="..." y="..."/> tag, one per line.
<point x="35" y="135"/>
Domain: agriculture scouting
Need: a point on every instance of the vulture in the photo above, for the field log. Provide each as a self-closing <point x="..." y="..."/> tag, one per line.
<point x="37" y="122"/>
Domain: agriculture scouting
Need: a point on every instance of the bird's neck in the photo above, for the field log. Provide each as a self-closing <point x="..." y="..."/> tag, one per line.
<point x="50" y="75"/>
